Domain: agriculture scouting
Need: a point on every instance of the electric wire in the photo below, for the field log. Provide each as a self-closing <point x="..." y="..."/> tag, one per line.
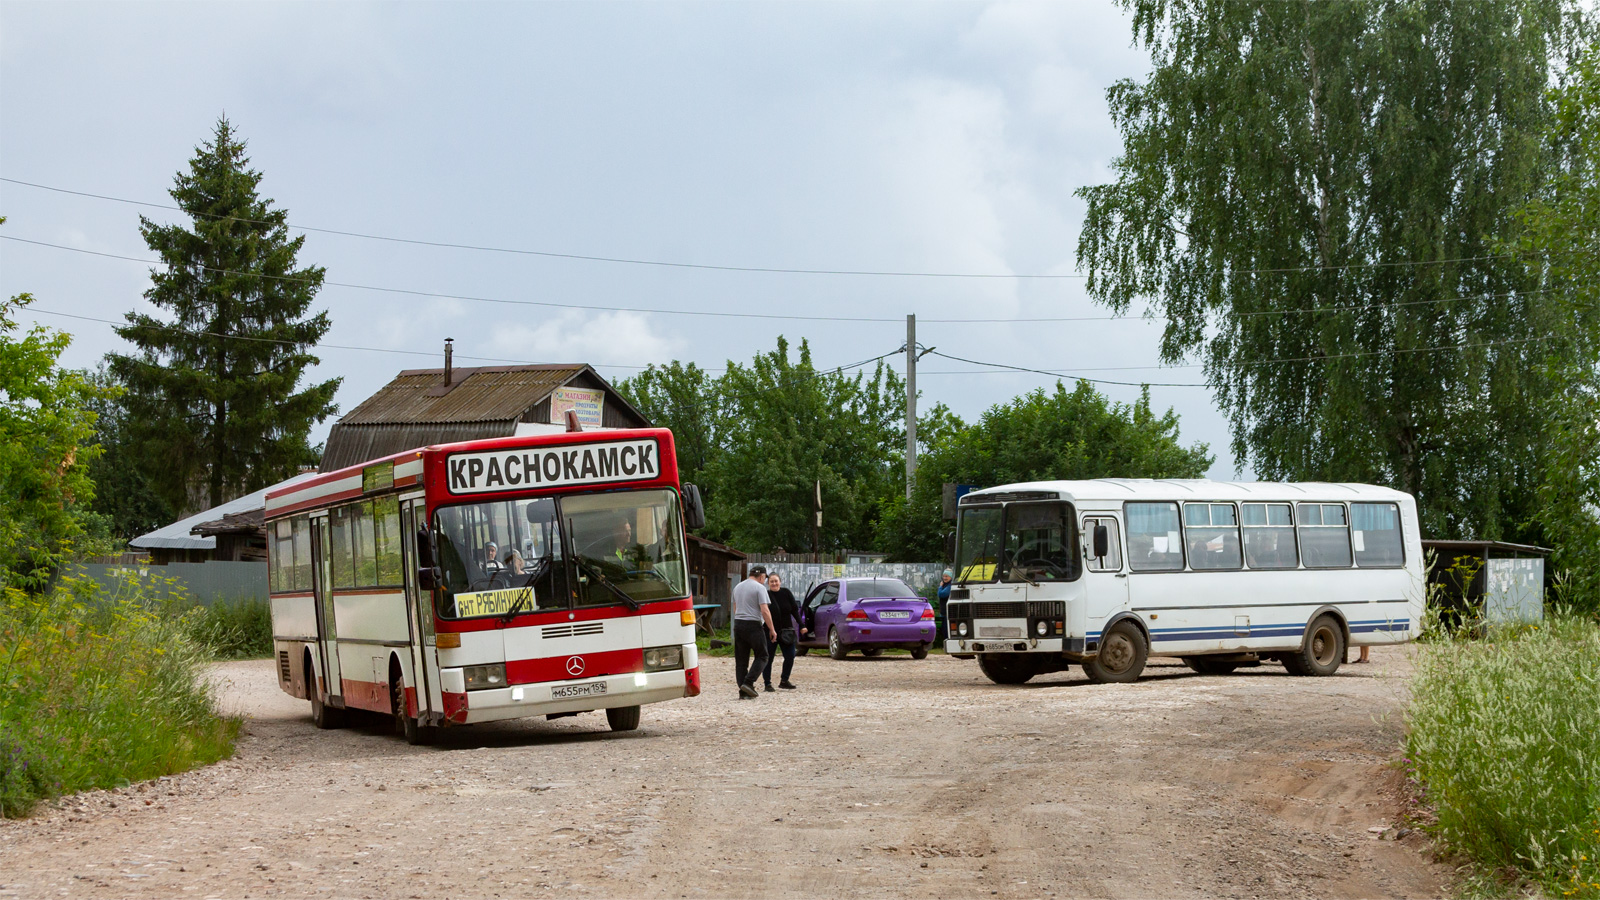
<point x="706" y="266"/>
<point x="746" y="315"/>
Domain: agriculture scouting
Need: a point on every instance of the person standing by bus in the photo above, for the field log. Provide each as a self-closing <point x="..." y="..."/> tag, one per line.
<point x="785" y="618"/>
<point x="752" y="628"/>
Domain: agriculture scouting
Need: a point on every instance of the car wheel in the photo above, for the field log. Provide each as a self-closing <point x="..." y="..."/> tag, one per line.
<point x="623" y="718"/>
<point x="1008" y="668"/>
<point x="1122" y="655"/>
<point x="836" y="647"/>
<point x="1322" y="650"/>
<point x="1205" y="665"/>
<point x="872" y="653"/>
<point x="801" y="651"/>
<point x="919" y="652"/>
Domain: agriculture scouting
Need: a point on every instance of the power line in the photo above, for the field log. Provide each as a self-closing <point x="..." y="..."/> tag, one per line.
<point x="740" y="315"/>
<point x="707" y="266"/>
<point x="976" y="362"/>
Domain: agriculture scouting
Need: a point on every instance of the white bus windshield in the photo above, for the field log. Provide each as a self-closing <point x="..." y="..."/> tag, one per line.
<point x="1032" y="542"/>
<point x="547" y="553"/>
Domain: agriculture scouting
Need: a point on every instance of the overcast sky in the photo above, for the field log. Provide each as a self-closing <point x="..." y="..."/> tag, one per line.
<point x="904" y="137"/>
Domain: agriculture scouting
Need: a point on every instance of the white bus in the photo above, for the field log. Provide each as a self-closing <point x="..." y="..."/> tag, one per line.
<point x="1107" y="573"/>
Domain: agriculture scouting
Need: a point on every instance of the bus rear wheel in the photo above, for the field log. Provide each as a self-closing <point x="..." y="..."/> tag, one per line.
<point x="623" y="718"/>
<point x="1122" y="655"/>
<point x="1321" y="652"/>
<point x="1008" y="668"/>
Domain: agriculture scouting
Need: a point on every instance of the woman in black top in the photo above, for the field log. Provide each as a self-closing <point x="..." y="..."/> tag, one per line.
<point x="786" y="619"/>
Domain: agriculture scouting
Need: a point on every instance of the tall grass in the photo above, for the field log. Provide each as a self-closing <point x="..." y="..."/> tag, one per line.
<point x="99" y="690"/>
<point x="237" y="629"/>
<point x="1505" y="743"/>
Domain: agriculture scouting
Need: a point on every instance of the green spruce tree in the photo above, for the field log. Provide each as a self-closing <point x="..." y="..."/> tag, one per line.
<point x="212" y="397"/>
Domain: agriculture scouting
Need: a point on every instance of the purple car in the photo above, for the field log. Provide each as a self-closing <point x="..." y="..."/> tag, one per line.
<point x="866" y="614"/>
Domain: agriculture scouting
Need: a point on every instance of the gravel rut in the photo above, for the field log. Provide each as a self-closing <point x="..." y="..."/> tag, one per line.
<point x="880" y="777"/>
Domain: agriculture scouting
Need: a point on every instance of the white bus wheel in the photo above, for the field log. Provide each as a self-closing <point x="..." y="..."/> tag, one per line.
<point x="623" y="718"/>
<point x="1322" y="650"/>
<point x="1122" y="655"/>
<point x="1008" y="668"/>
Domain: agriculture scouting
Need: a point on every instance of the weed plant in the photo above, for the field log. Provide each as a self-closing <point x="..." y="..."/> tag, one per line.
<point x="238" y="629"/>
<point x="99" y="689"/>
<point x="1504" y="744"/>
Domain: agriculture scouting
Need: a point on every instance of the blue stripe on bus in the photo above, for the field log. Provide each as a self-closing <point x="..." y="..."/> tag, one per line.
<point x="1366" y="626"/>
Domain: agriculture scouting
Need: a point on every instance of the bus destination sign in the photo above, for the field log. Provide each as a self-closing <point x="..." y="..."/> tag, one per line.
<point x="561" y="466"/>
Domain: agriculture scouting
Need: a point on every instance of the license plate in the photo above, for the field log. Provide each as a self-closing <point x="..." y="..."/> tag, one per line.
<point x="894" y="615"/>
<point x="568" y="691"/>
<point x="999" y="631"/>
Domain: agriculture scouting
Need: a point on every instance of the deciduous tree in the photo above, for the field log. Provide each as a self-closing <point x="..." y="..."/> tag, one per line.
<point x="1312" y="194"/>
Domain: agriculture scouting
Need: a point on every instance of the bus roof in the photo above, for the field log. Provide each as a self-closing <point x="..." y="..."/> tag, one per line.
<point x="1117" y="490"/>
<point x="346" y="483"/>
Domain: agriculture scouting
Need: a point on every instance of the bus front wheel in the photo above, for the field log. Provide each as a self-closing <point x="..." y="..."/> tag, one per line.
<point x="623" y="718"/>
<point x="1321" y="652"/>
<point x="1122" y="655"/>
<point x="322" y="715"/>
<point x="1008" y="668"/>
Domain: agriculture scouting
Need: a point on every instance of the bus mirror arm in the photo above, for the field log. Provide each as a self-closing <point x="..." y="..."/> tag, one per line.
<point x="1102" y="541"/>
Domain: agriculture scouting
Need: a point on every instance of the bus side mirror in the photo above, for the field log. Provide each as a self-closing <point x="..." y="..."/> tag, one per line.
<point x="694" y="512"/>
<point x="424" y="549"/>
<point x="1102" y="542"/>
<point x="425" y="579"/>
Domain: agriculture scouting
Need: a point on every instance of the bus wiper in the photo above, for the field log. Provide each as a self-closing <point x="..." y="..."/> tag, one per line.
<point x="534" y="575"/>
<point x="594" y="572"/>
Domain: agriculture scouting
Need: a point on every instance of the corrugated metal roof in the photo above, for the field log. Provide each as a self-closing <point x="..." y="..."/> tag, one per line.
<point x="352" y="446"/>
<point x="177" y="537"/>
<point x="489" y="393"/>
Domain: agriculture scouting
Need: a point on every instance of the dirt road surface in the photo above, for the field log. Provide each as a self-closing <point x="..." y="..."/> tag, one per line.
<point x="884" y="777"/>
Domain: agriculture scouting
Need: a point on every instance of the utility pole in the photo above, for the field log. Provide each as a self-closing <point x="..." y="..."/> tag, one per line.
<point x="911" y="403"/>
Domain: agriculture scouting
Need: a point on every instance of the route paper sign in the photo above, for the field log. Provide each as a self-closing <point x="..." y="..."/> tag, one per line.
<point x="587" y="404"/>
<point x="560" y="466"/>
<point x="491" y="603"/>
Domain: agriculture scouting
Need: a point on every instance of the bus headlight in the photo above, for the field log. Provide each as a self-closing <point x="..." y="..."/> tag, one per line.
<point x="1043" y="628"/>
<point x="657" y="659"/>
<point x="484" y="677"/>
<point x="962" y="629"/>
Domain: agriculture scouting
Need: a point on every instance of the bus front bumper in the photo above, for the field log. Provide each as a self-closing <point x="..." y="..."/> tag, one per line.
<point x="1014" y="645"/>
<point x="577" y="695"/>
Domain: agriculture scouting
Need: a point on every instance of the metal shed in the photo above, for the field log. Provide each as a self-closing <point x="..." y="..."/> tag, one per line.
<point x="1506" y="582"/>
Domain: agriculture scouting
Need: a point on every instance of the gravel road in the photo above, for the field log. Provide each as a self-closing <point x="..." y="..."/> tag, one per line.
<point x="881" y="777"/>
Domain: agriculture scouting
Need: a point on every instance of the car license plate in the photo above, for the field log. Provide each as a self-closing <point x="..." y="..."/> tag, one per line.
<point x="568" y="691"/>
<point x="999" y="631"/>
<point x="894" y="615"/>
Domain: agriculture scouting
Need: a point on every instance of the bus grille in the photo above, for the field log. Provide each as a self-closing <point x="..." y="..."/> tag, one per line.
<point x="1003" y="609"/>
<point x="283" y="666"/>
<point x="1047" y="609"/>
<point x="953" y="610"/>
<point x="561" y="631"/>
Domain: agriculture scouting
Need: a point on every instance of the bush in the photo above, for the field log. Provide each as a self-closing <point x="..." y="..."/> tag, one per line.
<point x="1505" y="745"/>
<point x="99" y="690"/>
<point x="240" y="629"/>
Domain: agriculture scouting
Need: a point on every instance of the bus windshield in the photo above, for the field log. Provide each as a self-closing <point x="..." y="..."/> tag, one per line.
<point x="545" y="553"/>
<point x="979" y="547"/>
<point x="1032" y="542"/>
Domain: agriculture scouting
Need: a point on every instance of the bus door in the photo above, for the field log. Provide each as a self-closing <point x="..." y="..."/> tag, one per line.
<point x="1105" y="581"/>
<point x="327" y="627"/>
<point x="419" y="616"/>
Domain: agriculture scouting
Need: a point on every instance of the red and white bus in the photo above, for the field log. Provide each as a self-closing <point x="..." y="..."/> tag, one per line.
<point x="484" y="580"/>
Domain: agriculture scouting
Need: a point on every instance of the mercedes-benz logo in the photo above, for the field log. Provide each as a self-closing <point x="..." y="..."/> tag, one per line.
<point x="575" y="665"/>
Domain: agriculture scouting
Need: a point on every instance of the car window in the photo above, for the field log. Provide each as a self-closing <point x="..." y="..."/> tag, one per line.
<point x="877" y="587"/>
<point x="825" y="595"/>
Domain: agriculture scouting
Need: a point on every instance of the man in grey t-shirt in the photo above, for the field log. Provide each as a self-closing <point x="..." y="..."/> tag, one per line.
<point x="752" y="628"/>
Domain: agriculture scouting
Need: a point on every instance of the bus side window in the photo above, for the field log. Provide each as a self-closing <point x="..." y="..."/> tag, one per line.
<point x="1155" y="539"/>
<point x="1112" y="561"/>
<point x="1324" y="536"/>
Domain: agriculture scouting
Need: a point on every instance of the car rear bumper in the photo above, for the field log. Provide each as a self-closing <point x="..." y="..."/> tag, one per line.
<point x="877" y="634"/>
